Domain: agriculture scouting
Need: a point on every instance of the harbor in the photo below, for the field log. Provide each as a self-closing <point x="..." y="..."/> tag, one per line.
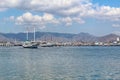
<point x="55" y="44"/>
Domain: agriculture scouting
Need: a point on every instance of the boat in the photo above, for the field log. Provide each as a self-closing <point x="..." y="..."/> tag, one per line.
<point x="47" y="45"/>
<point x="30" y="44"/>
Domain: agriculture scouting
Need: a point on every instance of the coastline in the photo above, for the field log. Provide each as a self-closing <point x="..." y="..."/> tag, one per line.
<point x="54" y="44"/>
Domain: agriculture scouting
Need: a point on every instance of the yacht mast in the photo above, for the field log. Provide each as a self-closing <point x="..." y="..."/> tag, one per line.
<point x="34" y="34"/>
<point x="27" y="34"/>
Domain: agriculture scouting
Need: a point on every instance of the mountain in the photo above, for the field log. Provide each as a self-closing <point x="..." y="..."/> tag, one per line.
<point x="15" y="36"/>
<point x="108" y="38"/>
<point x="40" y="36"/>
<point x="85" y="37"/>
<point x="3" y="38"/>
<point x="58" y="37"/>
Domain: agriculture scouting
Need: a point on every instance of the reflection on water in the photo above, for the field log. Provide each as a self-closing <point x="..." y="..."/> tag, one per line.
<point x="60" y="63"/>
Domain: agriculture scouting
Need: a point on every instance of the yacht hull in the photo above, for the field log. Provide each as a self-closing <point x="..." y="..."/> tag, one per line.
<point x="30" y="45"/>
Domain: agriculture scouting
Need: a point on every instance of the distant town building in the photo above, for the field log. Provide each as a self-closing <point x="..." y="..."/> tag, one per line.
<point x="118" y="39"/>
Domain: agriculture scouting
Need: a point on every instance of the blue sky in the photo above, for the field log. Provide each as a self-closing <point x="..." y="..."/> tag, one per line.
<point x="97" y="17"/>
<point x="112" y="3"/>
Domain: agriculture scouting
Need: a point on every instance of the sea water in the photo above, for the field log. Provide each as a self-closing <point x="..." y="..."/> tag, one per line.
<point x="60" y="63"/>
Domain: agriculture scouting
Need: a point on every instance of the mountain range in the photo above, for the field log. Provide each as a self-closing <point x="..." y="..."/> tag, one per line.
<point x="58" y="37"/>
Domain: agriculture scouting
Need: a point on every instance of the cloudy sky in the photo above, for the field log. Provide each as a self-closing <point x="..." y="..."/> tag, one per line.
<point x="98" y="17"/>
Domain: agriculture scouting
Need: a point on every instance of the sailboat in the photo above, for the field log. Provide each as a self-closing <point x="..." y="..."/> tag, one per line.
<point x="30" y="44"/>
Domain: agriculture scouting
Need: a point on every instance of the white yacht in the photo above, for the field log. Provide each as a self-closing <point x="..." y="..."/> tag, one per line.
<point x="30" y="44"/>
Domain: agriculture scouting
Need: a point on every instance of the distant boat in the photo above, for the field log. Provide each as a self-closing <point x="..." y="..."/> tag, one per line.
<point x="30" y="44"/>
<point x="47" y="45"/>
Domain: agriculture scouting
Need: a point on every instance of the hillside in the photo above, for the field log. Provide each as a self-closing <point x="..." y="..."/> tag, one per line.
<point x="59" y="37"/>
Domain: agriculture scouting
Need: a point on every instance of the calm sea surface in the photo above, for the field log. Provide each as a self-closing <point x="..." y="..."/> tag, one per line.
<point x="60" y="63"/>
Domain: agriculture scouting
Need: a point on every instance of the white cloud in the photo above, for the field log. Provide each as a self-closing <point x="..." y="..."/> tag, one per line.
<point x="28" y="19"/>
<point x="10" y="3"/>
<point x="78" y="20"/>
<point x="69" y="11"/>
<point x="48" y="17"/>
<point x="68" y="21"/>
<point x="107" y="13"/>
<point x="110" y="11"/>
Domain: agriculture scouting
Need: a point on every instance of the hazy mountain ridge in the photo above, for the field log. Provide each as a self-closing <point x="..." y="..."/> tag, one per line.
<point x="4" y="38"/>
<point x="59" y="37"/>
<point x="108" y="38"/>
